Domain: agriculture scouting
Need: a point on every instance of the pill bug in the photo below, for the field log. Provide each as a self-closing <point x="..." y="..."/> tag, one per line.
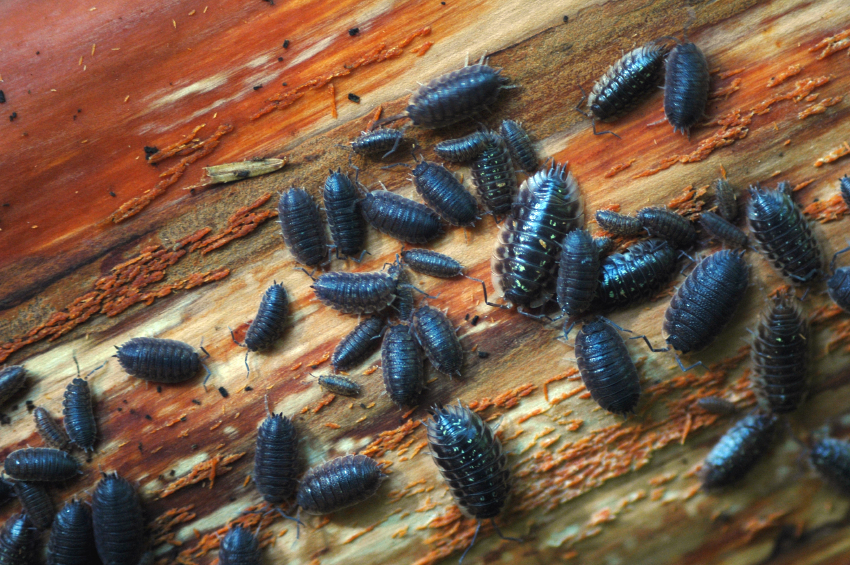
<point x="49" y="429"/>
<point x="400" y="217"/>
<point x="239" y="547"/>
<point x="838" y="285"/>
<point x="159" y="360"/>
<point x="358" y="344"/>
<point x="578" y="273"/>
<point x="80" y="424"/>
<point x="438" y="339"/>
<point x="119" y="523"/>
<point x="606" y="367"/>
<point x="7" y="491"/>
<point x="36" y="503"/>
<point x="12" y="378"/>
<point x="270" y="321"/>
<point x="845" y="190"/>
<point x="668" y="225"/>
<point x="276" y="465"/>
<point x="380" y="141"/>
<point x="440" y="188"/>
<point x="548" y="206"/>
<point x="339" y="385"/>
<point x="738" y="450"/>
<point x="432" y="263"/>
<point x="727" y="201"/>
<point x="723" y="229"/>
<point x="783" y="234"/>
<point x="634" y="275"/>
<point x="686" y="84"/>
<point x="519" y="145"/>
<point x="403" y="304"/>
<point x="706" y="301"/>
<point x="717" y="405"/>
<point x="493" y="175"/>
<point x="342" y="207"/>
<point x="72" y="536"/>
<point x="831" y="458"/>
<point x="302" y="226"/>
<point x="618" y="224"/>
<point x="462" y="149"/>
<point x="356" y="292"/>
<point x="41" y="464"/>
<point x="604" y="245"/>
<point x="780" y="345"/>
<point x="401" y="365"/>
<point x="339" y="483"/>
<point x="18" y="540"/>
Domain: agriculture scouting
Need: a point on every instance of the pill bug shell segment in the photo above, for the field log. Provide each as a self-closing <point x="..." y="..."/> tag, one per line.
<point x="618" y="224"/>
<point x="578" y="273"/>
<point x="783" y="234"/>
<point x="276" y="465"/>
<point x="727" y="200"/>
<point x="440" y="188"/>
<point x="686" y="84"/>
<point x="270" y="321"/>
<point x="604" y="245"/>
<point x="79" y="414"/>
<point x="18" y="541"/>
<point x="438" y="339"/>
<point x="738" y="450"/>
<point x="831" y="458"/>
<point x="635" y="275"/>
<point x="493" y="175"/>
<point x="50" y="430"/>
<point x="399" y="217"/>
<point x="838" y="287"/>
<point x="668" y="225"/>
<point x="159" y="360"/>
<point x="119" y="524"/>
<point x="462" y="149"/>
<point x="606" y="367"/>
<point x="723" y="229"/>
<point x="239" y="547"/>
<point x="41" y="464"/>
<point x="845" y="190"/>
<point x="780" y="347"/>
<point x="520" y="146"/>
<point x="302" y="227"/>
<point x="432" y="263"/>
<point x="356" y="292"/>
<point x="358" y="344"/>
<point x="404" y="302"/>
<point x="12" y="378"/>
<point x="401" y="365"/>
<point x="339" y="385"/>
<point x="342" y="207"/>
<point x="339" y="483"/>
<point x="72" y="536"/>
<point x="36" y="502"/>
<point x="471" y="460"/>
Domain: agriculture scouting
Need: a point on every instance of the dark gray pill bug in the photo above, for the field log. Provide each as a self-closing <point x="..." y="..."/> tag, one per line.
<point x="119" y="522"/>
<point x="618" y="224"/>
<point x="634" y="275"/>
<point x="239" y="547"/>
<point x="717" y="405"/>
<point x="738" y="450"/>
<point x="342" y="207"/>
<point x="520" y="145"/>
<point x="686" y="85"/>
<point x="432" y="263"/>
<point x="36" y="502"/>
<point x="359" y="343"/>
<point x="831" y="458"/>
<point x="838" y="285"/>
<point x="270" y="321"/>
<point x="606" y="368"/>
<point x="404" y="302"/>
<point x="41" y="464"/>
<point x="276" y="464"/>
<point x="440" y="188"/>
<point x="668" y="225"/>
<point x="18" y="541"/>
<point x="604" y="245"/>
<point x="12" y="378"/>
<point x="400" y="217"/>
<point x="353" y="293"/>
<point x="302" y="227"/>
<point x="706" y="301"/>
<point x="462" y="149"/>
<point x="723" y="229"/>
<point x="158" y="360"/>
<point x="726" y="198"/>
<point x="401" y="365"/>
<point x="72" y="536"/>
<point x="79" y="415"/>
<point x="493" y="175"/>
<point x="578" y="273"/>
<point x="784" y="235"/>
<point x="7" y="491"/>
<point x="337" y="384"/>
<point x="339" y="483"/>
<point x="780" y="355"/>
<point x="438" y="339"/>
<point x="845" y="190"/>
<point x="381" y="142"/>
<point x="50" y="430"/>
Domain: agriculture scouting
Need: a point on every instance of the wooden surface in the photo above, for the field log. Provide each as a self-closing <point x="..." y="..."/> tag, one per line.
<point x="93" y="84"/>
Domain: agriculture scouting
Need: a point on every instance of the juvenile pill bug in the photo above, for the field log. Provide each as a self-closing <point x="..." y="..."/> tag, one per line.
<point x="717" y="405"/>
<point x="12" y="379"/>
<point x="36" y="502"/>
<point x="783" y="234"/>
<point x="160" y="360"/>
<point x="18" y="541"/>
<point x="339" y="483"/>
<point x="276" y="464"/>
<point x="845" y="190"/>
<point x="118" y="520"/>
<point x="359" y="343"/>
<point x="520" y="145"/>
<point x="269" y="323"/>
<point x="438" y="339"/>
<point x="838" y="285"/>
<point x="723" y="229"/>
<point x="441" y="190"/>
<point x="634" y="275"/>
<point x="404" y="302"/>
<point x="578" y="273"/>
<point x="337" y="384"/>
<point x="378" y="142"/>
<point x="462" y="149"/>
<point x="726" y="198"/>
<point x="362" y="293"/>
<point x="41" y="464"/>
<point x="668" y="225"/>
<point x="780" y="351"/>
<point x="72" y="536"/>
<point x="342" y="207"/>
<point x="618" y="224"/>
<point x="494" y="176"/>
<point x="302" y="227"/>
<point x="831" y="458"/>
<point x="400" y="217"/>
<point x="80" y="424"/>
<point x="604" y="245"/>
<point x="401" y="365"/>
<point x="738" y="450"/>
<point x="472" y="462"/>
<point x="686" y="85"/>
<point x="433" y="264"/>
<point x="239" y="547"/>
<point x="50" y="430"/>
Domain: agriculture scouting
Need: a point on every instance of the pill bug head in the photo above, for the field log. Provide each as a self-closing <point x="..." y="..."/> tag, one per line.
<point x="239" y="547"/>
<point x="72" y="535"/>
<point x="18" y="540"/>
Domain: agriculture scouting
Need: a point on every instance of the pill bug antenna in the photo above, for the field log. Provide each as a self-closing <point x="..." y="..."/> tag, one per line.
<point x="387" y="120"/>
<point x="310" y="274"/>
<point x="90" y="373"/>
<point x="832" y="262"/>
<point x="77" y="363"/>
<point x="689" y="367"/>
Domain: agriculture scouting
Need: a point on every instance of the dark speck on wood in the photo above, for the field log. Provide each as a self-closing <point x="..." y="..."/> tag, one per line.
<point x="223" y="392"/>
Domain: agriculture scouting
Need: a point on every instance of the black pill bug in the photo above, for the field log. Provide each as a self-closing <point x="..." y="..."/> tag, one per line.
<point x="668" y="225"/>
<point x="717" y="405"/>
<point x="339" y="483"/>
<point x="362" y="293"/>
<point x="706" y="301"/>
<point x="606" y="367"/>
<point x="339" y="385"/>
<point x="36" y="502"/>
<point x="401" y="365"/>
<point x="783" y="234"/>
<point x="780" y="347"/>
<point x="79" y="415"/>
<point x="462" y="149"/>
<point x="493" y="175"/>
<point x="431" y="263"/>
<point x="520" y="146"/>
<point x="549" y="205"/>
<point x="440" y="188"/>
<point x="726" y="198"/>
<point x="50" y="430"/>
<point x="41" y="464"/>
<point x="399" y="217"/>
<point x="358" y="344"/>
<point x="838" y="285"/>
<point x="239" y="547"/>
<point x="831" y="458"/>
<point x="618" y="224"/>
<point x="12" y="378"/>
<point x="119" y="523"/>
<point x="18" y="540"/>
<point x="404" y="302"/>
<point x="382" y="142"/>
<point x="302" y="226"/>
<point x="604" y="245"/>
<point x="634" y="275"/>
<point x="276" y="464"/>
<point x="738" y="450"/>
<point x="578" y="273"/>
<point x="845" y="189"/>
<point x="472" y="462"/>
<point x="270" y="321"/>
<point x="686" y="85"/>
<point x="342" y="207"/>
<point x="723" y="229"/>
<point x="438" y="339"/>
<point x="72" y="536"/>
<point x="159" y="360"/>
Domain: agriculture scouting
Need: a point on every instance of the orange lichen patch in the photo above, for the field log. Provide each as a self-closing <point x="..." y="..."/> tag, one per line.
<point x="332" y="426"/>
<point x="401" y="532"/>
<point x="390" y="439"/>
<point x="828" y="210"/>
<point x="822" y="315"/>
<point x="422" y="49"/>
<point x="251" y="518"/>
<point x="186" y="145"/>
<point x="556" y="378"/>
<point x="193" y="148"/>
<point x="364" y="531"/>
<point x="832" y="44"/>
<point x="161" y="528"/>
<point x="455" y="534"/>
<point x="532" y="414"/>
<point x="802" y="185"/>
<point x="572" y="554"/>
<point x="733" y="72"/>
<point x="833" y="155"/>
<point x="375" y="117"/>
<point x="754" y="526"/>
<point x="585" y="395"/>
<point x="802" y="88"/>
<point x="727" y="90"/>
<point x="327" y="399"/>
<point x="419" y="447"/>
<point x="691" y="492"/>
<point x="690" y="202"/>
<point x="820" y="107"/>
<point x="656" y="494"/>
<point x="370" y="370"/>
<point x="507" y="399"/>
<point x="332" y="94"/>
<point x="663" y="479"/>
<point x="600" y="517"/>
<point x="321" y="360"/>
<point x="791" y="71"/>
<point x="396" y="495"/>
<point x="617" y="168"/>
<point x="296" y="366"/>
<point x="216" y="425"/>
<point x="241" y="223"/>
<point x="202" y="471"/>
<point x="574" y="424"/>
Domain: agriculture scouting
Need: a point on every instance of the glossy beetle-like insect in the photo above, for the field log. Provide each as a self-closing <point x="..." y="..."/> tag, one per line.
<point x="438" y="339"/>
<point x="119" y="524"/>
<point x="358" y="344"/>
<point x="686" y="84"/>
<point x="400" y="217"/>
<point x="72" y="536"/>
<point x="303" y="230"/>
<point x="50" y="430"/>
<point x="339" y="483"/>
<point x="159" y="360"/>
<point x="356" y="292"/>
<point x="18" y="540"/>
<point x="342" y="206"/>
<point x="377" y="142"/>
<point x="723" y="229"/>
<point x="276" y="465"/>
<point x="578" y="273"/>
<point x="520" y="145"/>
<point x="36" y="503"/>
<point x="493" y="175"/>
<point x="439" y="187"/>
<point x="606" y="367"/>
<point x="462" y="149"/>
<point x="634" y="275"/>
<point x="12" y="378"/>
<point x="727" y="201"/>
<point x="339" y="385"/>
<point x="79" y="415"/>
<point x="831" y="458"/>
<point x="41" y="464"/>
<point x="401" y="365"/>
<point x="239" y="547"/>
<point x="738" y="450"/>
<point x="668" y="225"/>
<point x="618" y="224"/>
